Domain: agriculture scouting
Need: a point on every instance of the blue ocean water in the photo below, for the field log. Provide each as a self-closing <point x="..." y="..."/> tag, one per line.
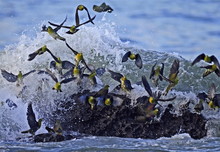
<point x="188" y="28"/>
<point x="171" y="27"/>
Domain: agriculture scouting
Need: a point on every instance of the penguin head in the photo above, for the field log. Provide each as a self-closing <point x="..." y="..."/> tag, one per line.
<point x="151" y="100"/>
<point x="80" y="7"/>
<point x="73" y="29"/>
<point x="108" y="101"/>
<point x="211" y="104"/>
<point x="207" y="59"/>
<point x="132" y="56"/>
<point x="91" y="101"/>
<point x="79" y="57"/>
<point x="57" y="87"/>
<point x="20" y="74"/>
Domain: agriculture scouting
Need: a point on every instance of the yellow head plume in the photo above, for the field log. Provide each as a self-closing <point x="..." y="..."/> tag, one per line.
<point x="80" y="7"/>
<point x="91" y="101"/>
<point x="57" y="86"/>
<point x="108" y="101"/>
<point x="132" y="56"/>
<point x="151" y="100"/>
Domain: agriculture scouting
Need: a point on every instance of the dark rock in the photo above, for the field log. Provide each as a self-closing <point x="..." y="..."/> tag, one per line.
<point x="48" y="137"/>
<point x="121" y="121"/>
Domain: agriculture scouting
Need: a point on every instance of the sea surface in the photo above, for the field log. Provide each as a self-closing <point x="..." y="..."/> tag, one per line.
<point x="160" y="31"/>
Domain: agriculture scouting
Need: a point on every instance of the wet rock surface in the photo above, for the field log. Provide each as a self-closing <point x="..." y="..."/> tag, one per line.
<point x="121" y="121"/>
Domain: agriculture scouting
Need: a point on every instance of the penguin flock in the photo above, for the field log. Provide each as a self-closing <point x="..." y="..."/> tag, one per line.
<point x="148" y="104"/>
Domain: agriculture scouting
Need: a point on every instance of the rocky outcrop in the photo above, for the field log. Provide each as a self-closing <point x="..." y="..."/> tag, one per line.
<point x="121" y="121"/>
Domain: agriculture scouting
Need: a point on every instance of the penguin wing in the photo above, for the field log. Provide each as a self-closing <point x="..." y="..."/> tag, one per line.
<point x="147" y="86"/>
<point x="84" y="63"/>
<point x="58" y="27"/>
<point x="67" y="80"/>
<point x="53" y="65"/>
<point x="54" y="57"/>
<point x="198" y="58"/>
<point x="212" y="91"/>
<point x="216" y="100"/>
<point x="126" y="56"/>
<point x="174" y="70"/>
<point x="97" y="8"/>
<point x="9" y="76"/>
<point x="206" y="67"/>
<point x="202" y="96"/>
<point x="138" y="61"/>
<point x="89" y="15"/>
<point x="169" y="99"/>
<point x="75" y="52"/>
<point x="217" y="72"/>
<point x="31" y="117"/>
<point x="106" y="8"/>
<point x="161" y="72"/>
<point x="26" y="74"/>
<point x="67" y="65"/>
<point x="152" y="73"/>
<point x="90" y="20"/>
<point x="68" y="73"/>
<point x="215" y="60"/>
<point x="53" y="24"/>
<point x="32" y="55"/>
<point x="128" y="85"/>
<point x="116" y="76"/>
<point x="48" y="72"/>
<point x="77" y="17"/>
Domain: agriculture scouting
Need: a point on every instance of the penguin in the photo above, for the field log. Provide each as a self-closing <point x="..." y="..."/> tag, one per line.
<point x="156" y="74"/>
<point x="154" y="97"/>
<point x="81" y="8"/>
<point x="146" y="110"/>
<point x="102" y="8"/>
<point x="57" y="85"/>
<point x="88" y="98"/>
<point x="173" y="76"/>
<point x="53" y="32"/>
<point x="125" y="84"/>
<point x="136" y="57"/>
<point x="79" y="58"/>
<point x="40" y="51"/>
<point x="210" y="69"/>
<point x="74" y="28"/>
<point x="57" y="128"/>
<point x="10" y="77"/>
<point x="206" y="58"/>
<point x="59" y="64"/>
<point x="33" y="124"/>
<point x="211" y="98"/>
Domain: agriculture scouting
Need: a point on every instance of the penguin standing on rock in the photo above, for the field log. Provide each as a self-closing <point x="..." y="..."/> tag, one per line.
<point x="125" y="84"/>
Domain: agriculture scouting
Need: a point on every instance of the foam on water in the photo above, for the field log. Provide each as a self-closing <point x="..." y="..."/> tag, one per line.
<point x="101" y="47"/>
